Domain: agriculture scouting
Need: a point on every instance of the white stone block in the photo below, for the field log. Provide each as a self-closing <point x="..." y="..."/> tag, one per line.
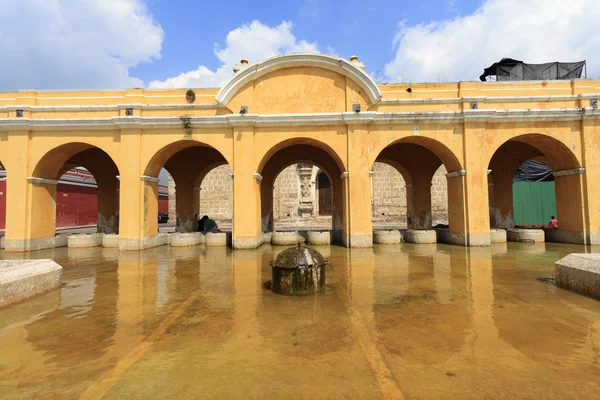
<point x="525" y="235"/>
<point x="186" y="239"/>
<point x="579" y="273"/>
<point x="498" y="235"/>
<point x="110" y="241"/>
<point x="82" y="240"/>
<point x="214" y="239"/>
<point x="20" y="279"/>
<point x="421" y="236"/>
<point x="387" y="237"/>
<point x="319" y="238"/>
<point x="286" y="238"/>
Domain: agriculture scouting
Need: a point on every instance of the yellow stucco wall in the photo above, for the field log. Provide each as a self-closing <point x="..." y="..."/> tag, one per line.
<point x="310" y="105"/>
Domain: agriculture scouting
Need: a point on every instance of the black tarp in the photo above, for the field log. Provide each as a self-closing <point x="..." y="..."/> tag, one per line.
<point x="533" y="171"/>
<point x="509" y="69"/>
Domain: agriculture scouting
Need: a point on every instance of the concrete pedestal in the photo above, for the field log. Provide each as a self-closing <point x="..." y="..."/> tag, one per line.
<point x="286" y="238"/>
<point x="498" y="235"/>
<point x="215" y="239"/>
<point x="387" y="237"/>
<point x="421" y="236"/>
<point x="319" y="238"/>
<point x="267" y="237"/>
<point x="81" y="241"/>
<point x="525" y="235"/>
<point x="579" y="273"/>
<point x="187" y="239"/>
<point x="110" y="241"/>
<point x="20" y="279"/>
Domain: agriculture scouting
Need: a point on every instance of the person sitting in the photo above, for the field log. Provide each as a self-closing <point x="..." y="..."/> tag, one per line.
<point x="206" y="224"/>
<point x="553" y="222"/>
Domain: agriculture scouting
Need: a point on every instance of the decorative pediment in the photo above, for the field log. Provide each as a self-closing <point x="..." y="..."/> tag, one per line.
<point x="302" y="63"/>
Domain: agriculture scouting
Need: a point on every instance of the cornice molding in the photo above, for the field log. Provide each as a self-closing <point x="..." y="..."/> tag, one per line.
<point x="313" y="119"/>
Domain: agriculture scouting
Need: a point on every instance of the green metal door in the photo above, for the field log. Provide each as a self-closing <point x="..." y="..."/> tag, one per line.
<point x="533" y="202"/>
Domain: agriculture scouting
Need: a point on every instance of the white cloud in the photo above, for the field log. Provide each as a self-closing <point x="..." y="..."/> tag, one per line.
<point x="254" y="42"/>
<point x="534" y="31"/>
<point x="74" y="44"/>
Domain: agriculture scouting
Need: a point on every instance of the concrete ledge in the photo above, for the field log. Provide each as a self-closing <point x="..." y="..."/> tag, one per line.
<point x="498" y="235"/>
<point x="61" y="241"/>
<point x="387" y="237"/>
<point x="248" y="243"/>
<point x="186" y="239"/>
<point x="562" y="236"/>
<point x="525" y="235"/>
<point x="421" y="236"/>
<point x="361" y="241"/>
<point x="110" y="241"/>
<point x="216" y="239"/>
<point x="82" y="240"/>
<point x="319" y="238"/>
<point x="20" y="279"/>
<point x="145" y="243"/>
<point x="579" y="273"/>
<point x="19" y="245"/>
<point x="286" y="238"/>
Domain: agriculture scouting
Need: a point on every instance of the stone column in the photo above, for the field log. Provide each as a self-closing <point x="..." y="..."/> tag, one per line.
<point x="306" y="203"/>
<point x="172" y="201"/>
<point x="420" y="205"/>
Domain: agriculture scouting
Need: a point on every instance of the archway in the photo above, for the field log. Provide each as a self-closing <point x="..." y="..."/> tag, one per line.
<point x="421" y="161"/>
<point x="98" y="183"/>
<point x="567" y="172"/>
<point x="309" y="158"/>
<point x="188" y="162"/>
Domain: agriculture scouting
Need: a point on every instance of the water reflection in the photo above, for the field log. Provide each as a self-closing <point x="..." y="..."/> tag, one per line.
<point x="437" y="320"/>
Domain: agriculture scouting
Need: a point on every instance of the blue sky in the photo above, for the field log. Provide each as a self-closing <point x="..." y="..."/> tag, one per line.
<point x="111" y="44"/>
<point x="346" y="26"/>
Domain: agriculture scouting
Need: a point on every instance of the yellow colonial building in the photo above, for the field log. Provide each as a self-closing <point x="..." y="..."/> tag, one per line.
<point x="306" y="108"/>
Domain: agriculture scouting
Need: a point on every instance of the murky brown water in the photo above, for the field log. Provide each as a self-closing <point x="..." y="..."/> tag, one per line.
<point x="425" y="321"/>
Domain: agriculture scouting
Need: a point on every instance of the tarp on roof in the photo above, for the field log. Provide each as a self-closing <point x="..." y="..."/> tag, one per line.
<point x="509" y="69"/>
<point x="533" y="171"/>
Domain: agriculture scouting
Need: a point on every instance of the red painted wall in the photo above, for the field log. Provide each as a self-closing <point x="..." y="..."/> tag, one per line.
<point x="163" y="204"/>
<point x="2" y="204"/>
<point x="76" y="205"/>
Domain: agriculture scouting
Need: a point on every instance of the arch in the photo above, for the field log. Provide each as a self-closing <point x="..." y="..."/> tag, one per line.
<point x="261" y="68"/>
<point x="446" y="156"/>
<point x="164" y="154"/>
<point x="52" y="162"/>
<point x="305" y="142"/>
<point x="306" y="151"/>
<point x="559" y="155"/>
<point x="509" y="155"/>
<point x="53" y="165"/>
<point x="398" y="167"/>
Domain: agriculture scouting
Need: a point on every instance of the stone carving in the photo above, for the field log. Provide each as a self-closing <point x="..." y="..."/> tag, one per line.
<point x="306" y="205"/>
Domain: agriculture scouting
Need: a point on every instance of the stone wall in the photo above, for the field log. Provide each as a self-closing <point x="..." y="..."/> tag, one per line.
<point x="286" y="192"/>
<point x="216" y="194"/>
<point x="388" y="200"/>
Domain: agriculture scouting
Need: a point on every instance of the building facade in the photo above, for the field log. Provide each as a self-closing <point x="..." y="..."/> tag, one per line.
<point x="307" y="109"/>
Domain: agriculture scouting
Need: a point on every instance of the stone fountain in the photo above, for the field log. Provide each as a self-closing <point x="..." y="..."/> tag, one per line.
<point x="297" y="271"/>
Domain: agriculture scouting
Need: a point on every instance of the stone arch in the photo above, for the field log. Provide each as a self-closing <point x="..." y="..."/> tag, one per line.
<point x="306" y="151"/>
<point x="54" y="164"/>
<point x="506" y="159"/>
<point x="418" y="158"/>
<point x="188" y="161"/>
